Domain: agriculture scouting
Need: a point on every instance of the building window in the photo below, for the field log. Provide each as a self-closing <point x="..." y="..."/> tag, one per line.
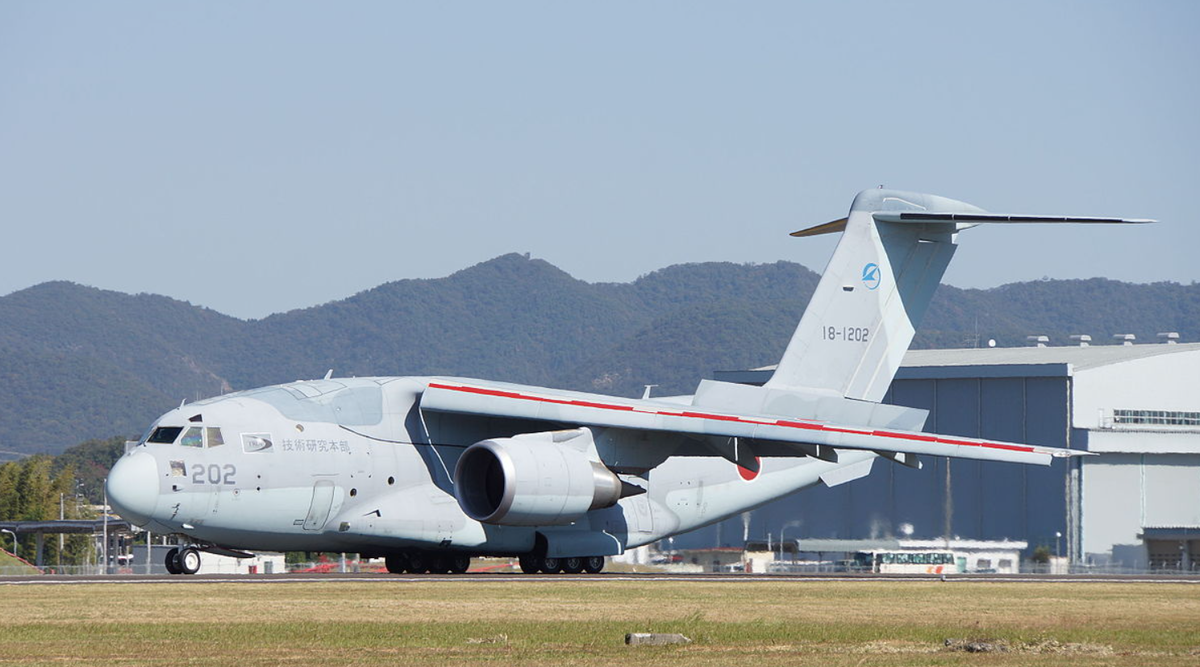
<point x="1156" y="417"/>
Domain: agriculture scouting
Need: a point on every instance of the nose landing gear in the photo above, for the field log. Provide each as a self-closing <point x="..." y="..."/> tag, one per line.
<point x="183" y="561"/>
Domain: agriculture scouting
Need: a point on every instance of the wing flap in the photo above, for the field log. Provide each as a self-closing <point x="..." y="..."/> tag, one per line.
<point x="578" y="408"/>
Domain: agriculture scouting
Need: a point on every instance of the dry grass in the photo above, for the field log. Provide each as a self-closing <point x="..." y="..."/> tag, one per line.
<point x="542" y="621"/>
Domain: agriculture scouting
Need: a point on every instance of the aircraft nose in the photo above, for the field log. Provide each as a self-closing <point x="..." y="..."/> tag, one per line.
<point x="133" y="487"/>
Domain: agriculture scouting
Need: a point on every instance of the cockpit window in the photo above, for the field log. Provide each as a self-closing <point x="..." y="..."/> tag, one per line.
<point x="164" y="435"/>
<point x="213" y="435"/>
<point x="192" y="438"/>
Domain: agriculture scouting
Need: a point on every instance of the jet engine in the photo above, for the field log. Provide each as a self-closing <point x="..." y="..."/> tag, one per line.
<point x="534" y="479"/>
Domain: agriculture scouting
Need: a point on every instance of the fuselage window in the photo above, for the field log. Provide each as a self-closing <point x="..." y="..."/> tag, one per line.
<point x="164" y="435"/>
<point x="213" y="435"/>
<point x="192" y="438"/>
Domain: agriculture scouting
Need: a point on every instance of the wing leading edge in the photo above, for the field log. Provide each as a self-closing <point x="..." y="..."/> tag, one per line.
<point x="519" y="402"/>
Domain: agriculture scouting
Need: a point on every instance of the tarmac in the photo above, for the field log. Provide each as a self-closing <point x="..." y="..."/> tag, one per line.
<point x="731" y="579"/>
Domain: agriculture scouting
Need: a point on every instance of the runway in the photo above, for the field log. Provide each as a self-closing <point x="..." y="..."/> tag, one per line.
<point x="730" y="579"/>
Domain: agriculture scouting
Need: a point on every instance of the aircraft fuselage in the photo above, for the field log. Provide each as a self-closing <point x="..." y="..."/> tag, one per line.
<point x="353" y="465"/>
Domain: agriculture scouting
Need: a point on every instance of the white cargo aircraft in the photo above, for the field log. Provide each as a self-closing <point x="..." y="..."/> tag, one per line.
<point x="430" y="471"/>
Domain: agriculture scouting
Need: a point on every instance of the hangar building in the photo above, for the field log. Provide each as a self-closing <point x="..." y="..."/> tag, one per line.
<point x="1135" y="503"/>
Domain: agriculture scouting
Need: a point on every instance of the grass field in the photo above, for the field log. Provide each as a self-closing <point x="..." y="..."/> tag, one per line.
<point x="541" y="621"/>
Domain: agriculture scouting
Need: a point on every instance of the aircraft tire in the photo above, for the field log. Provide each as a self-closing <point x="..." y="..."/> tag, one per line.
<point x="529" y="564"/>
<point x="550" y="565"/>
<point x="188" y="560"/>
<point x="459" y="564"/>
<point x="170" y="562"/>
<point x="593" y="564"/>
<point x="439" y="565"/>
<point x="396" y="563"/>
<point x="572" y="565"/>
<point x="417" y="563"/>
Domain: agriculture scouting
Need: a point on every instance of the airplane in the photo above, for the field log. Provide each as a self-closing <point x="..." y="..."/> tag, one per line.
<point x="428" y="472"/>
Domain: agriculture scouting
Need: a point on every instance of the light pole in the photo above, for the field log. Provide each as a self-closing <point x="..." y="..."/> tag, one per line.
<point x="104" y="569"/>
<point x="785" y="527"/>
<point x="62" y="514"/>
<point x="1057" y="537"/>
<point x="16" y="547"/>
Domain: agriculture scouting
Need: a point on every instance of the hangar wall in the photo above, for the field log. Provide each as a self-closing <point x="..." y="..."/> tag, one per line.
<point x="1144" y="476"/>
<point x="987" y="500"/>
<point x="1125" y="493"/>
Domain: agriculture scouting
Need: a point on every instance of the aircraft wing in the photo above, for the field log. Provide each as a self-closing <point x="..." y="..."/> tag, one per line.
<point x="582" y="409"/>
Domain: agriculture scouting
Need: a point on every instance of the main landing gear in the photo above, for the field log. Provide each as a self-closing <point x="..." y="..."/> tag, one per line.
<point x="185" y="560"/>
<point x="415" y="562"/>
<point x="531" y="564"/>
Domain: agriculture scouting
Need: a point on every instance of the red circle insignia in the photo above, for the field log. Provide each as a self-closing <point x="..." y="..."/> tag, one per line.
<point x="750" y="475"/>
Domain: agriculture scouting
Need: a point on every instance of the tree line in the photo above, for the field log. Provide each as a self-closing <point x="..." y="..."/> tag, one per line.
<point x="44" y="488"/>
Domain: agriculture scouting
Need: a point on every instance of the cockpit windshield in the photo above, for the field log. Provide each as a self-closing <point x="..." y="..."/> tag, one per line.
<point x="194" y="436"/>
<point x="213" y="435"/>
<point x="164" y="435"/>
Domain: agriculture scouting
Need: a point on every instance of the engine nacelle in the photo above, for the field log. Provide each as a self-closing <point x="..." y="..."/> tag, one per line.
<point x="534" y="479"/>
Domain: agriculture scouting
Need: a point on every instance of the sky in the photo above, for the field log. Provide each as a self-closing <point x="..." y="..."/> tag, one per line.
<point x="259" y="157"/>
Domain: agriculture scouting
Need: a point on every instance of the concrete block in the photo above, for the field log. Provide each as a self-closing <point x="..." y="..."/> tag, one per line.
<point x="655" y="639"/>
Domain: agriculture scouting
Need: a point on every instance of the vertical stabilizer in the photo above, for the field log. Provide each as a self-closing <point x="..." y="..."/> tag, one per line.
<point x="872" y="296"/>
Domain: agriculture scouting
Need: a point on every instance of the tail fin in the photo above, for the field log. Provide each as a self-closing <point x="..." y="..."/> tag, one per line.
<point x="894" y="250"/>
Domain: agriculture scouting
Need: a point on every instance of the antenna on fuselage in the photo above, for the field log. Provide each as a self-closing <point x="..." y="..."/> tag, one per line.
<point x="328" y="374"/>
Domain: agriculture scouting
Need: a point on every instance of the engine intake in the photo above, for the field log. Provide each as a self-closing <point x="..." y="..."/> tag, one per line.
<point x="534" y="479"/>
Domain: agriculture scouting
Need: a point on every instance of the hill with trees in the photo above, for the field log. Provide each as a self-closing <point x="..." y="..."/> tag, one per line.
<point x="78" y="363"/>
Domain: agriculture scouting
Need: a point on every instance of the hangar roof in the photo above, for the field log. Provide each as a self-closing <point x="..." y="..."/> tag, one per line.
<point x="1080" y="358"/>
<point x="1003" y="361"/>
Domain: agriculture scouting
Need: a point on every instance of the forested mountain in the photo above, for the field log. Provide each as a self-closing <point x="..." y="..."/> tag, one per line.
<point x="78" y="363"/>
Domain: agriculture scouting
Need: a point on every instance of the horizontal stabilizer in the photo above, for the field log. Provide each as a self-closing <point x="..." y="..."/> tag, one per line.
<point x="977" y="218"/>
<point x="827" y="228"/>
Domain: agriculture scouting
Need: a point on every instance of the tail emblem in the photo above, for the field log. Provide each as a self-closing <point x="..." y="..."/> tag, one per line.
<point x="870" y="276"/>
